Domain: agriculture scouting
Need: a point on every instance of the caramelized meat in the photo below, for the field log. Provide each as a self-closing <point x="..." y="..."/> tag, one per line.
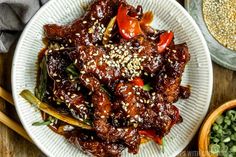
<point x="93" y="146"/>
<point x="70" y="93"/>
<point x="153" y="61"/>
<point x="91" y="59"/>
<point x="57" y="62"/>
<point x="124" y="87"/>
<point x="89" y="28"/>
<point x="168" y="81"/>
<point x="114" y="62"/>
<point x="184" y="92"/>
<point x="102" y="111"/>
<point x="64" y="90"/>
<point x="160" y="118"/>
<point x="126" y="94"/>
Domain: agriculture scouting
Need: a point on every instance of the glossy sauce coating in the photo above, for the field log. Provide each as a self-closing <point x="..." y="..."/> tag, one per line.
<point x="103" y="84"/>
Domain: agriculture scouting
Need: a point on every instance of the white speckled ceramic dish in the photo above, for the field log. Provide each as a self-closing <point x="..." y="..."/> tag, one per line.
<point x="168" y="15"/>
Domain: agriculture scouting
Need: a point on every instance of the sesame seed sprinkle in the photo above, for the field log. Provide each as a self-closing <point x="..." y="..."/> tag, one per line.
<point x="58" y="80"/>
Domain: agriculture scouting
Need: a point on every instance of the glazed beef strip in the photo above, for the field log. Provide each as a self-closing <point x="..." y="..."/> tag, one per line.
<point x="66" y="90"/>
<point x="91" y="59"/>
<point x="102" y="111"/>
<point x="118" y="61"/>
<point x="168" y="81"/>
<point x="89" y="28"/>
<point x="93" y="146"/>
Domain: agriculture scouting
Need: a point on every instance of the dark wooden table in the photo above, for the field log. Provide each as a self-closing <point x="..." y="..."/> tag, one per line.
<point x="11" y="144"/>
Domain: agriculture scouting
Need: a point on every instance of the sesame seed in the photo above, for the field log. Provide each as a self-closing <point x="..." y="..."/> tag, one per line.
<point x="120" y="129"/>
<point x="76" y="60"/>
<point x="73" y="96"/>
<point x="87" y="80"/>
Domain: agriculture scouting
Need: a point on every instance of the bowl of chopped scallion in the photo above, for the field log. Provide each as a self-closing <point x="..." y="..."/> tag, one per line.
<point x="217" y="137"/>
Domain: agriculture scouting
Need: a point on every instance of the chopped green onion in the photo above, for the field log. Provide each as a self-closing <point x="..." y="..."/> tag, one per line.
<point x="40" y="123"/>
<point x="227" y="139"/>
<point x="71" y="69"/>
<point x="214" y="148"/>
<point x="147" y="87"/>
<point x="227" y="121"/>
<point x="223" y="135"/>
<point x="215" y="127"/>
<point x="223" y="147"/>
<point x="105" y="90"/>
<point x="227" y="132"/>
<point x="220" y="131"/>
<point x="234" y="127"/>
<point x="233" y="149"/>
<point x="41" y="86"/>
<point x="230" y="155"/>
<point x="231" y="114"/>
<point x="216" y="140"/>
<point x="163" y="144"/>
<point x="230" y="144"/>
<point x="233" y="137"/>
<point x="220" y="119"/>
<point x="225" y="126"/>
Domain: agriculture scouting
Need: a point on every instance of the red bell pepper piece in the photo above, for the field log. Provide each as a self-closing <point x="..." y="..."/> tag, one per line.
<point x="151" y="134"/>
<point x="138" y="82"/>
<point x="165" y="40"/>
<point x="129" y="27"/>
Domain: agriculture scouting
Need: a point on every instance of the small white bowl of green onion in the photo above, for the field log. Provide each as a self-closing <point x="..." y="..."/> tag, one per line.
<point x="217" y="136"/>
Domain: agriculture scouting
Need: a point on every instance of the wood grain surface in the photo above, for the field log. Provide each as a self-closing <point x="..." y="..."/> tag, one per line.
<point x="13" y="145"/>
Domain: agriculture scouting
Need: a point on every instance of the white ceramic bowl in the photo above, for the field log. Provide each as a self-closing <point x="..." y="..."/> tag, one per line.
<point x="168" y="15"/>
